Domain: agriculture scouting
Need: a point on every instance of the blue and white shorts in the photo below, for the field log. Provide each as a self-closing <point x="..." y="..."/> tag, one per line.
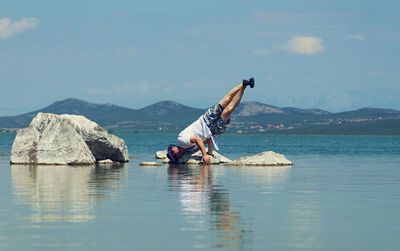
<point x="213" y="119"/>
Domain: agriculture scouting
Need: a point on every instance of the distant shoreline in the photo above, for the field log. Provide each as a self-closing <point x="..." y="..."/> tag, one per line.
<point x="144" y="132"/>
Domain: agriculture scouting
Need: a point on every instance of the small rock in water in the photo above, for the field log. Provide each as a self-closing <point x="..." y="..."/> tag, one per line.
<point x="107" y="162"/>
<point x="161" y="154"/>
<point x="268" y="158"/>
<point x="150" y="163"/>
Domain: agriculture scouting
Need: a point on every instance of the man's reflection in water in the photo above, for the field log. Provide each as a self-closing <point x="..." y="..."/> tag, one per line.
<point x="203" y="200"/>
<point x="65" y="193"/>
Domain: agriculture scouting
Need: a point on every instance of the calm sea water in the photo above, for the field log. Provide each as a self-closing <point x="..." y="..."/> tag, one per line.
<point x="343" y="193"/>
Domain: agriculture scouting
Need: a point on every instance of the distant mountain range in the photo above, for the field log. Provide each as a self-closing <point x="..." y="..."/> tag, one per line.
<point x="249" y="117"/>
<point x="255" y="109"/>
<point x="109" y="115"/>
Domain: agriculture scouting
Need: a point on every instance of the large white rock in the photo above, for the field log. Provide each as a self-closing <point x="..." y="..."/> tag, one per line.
<point x="66" y="139"/>
<point x="268" y="158"/>
<point x="193" y="158"/>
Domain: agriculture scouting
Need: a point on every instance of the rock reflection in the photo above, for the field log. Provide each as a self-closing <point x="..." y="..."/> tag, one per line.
<point x="305" y="222"/>
<point x="264" y="174"/>
<point x="65" y="193"/>
<point x="270" y="179"/>
<point x="206" y="205"/>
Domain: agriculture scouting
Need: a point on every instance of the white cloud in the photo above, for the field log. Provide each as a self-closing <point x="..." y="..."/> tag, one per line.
<point x="202" y="83"/>
<point x="168" y="88"/>
<point x="356" y="37"/>
<point x="297" y="45"/>
<point x="132" y="88"/>
<point x="261" y="52"/>
<point x="144" y="87"/>
<point x="97" y="91"/>
<point x="194" y="32"/>
<point x="124" y="89"/>
<point x="304" y="45"/>
<point x="9" y="28"/>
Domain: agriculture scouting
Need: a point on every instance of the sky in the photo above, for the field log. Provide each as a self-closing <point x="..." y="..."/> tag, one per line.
<point x="334" y="55"/>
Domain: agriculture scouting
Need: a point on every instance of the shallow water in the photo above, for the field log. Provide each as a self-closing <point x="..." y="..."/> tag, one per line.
<point x="341" y="193"/>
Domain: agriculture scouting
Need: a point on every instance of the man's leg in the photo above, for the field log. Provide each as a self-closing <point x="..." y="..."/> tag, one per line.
<point x="234" y="102"/>
<point x="231" y="94"/>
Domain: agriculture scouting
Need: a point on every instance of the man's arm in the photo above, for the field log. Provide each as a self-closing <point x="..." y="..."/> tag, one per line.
<point x="210" y="147"/>
<point x="200" y="144"/>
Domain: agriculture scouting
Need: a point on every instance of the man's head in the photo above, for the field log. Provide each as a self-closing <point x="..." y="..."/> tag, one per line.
<point x="174" y="152"/>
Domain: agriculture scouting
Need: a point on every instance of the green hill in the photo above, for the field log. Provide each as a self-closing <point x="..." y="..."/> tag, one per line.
<point x="249" y="117"/>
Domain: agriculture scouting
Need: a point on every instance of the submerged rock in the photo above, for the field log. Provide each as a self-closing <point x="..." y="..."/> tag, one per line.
<point x="268" y="158"/>
<point x="193" y="157"/>
<point x="108" y="162"/>
<point x="66" y="139"/>
<point x="150" y="163"/>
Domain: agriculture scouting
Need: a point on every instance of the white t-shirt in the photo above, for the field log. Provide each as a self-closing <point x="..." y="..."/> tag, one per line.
<point x="199" y="129"/>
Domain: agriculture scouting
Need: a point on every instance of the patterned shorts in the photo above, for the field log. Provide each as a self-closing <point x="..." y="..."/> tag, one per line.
<point x="213" y="119"/>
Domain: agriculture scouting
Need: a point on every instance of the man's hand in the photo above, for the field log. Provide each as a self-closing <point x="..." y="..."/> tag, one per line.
<point x="206" y="159"/>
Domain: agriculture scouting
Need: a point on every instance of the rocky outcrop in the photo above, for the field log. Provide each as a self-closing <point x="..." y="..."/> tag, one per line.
<point x="268" y="158"/>
<point x="66" y="139"/>
<point x="193" y="158"/>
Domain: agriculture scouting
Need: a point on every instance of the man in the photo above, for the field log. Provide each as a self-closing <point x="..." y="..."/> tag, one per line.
<point x="211" y="124"/>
